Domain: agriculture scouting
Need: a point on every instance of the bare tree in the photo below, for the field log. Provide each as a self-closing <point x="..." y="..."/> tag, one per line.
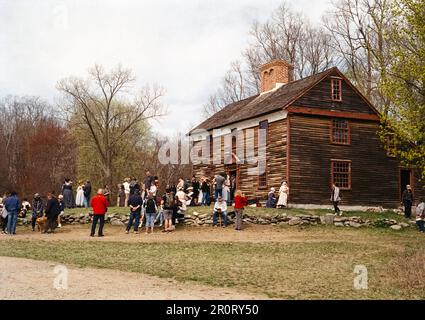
<point x="233" y="88"/>
<point x="107" y="108"/>
<point x="28" y="132"/>
<point x="287" y="35"/>
<point x="358" y="29"/>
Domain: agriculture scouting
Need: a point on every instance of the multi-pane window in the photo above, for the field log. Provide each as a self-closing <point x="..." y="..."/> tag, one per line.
<point x="336" y="89"/>
<point x="340" y="131"/>
<point x="211" y="145"/>
<point x="262" y="158"/>
<point x="341" y="173"/>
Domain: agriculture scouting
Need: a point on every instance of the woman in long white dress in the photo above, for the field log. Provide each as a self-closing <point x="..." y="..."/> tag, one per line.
<point x="79" y="199"/>
<point x="283" y="195"/>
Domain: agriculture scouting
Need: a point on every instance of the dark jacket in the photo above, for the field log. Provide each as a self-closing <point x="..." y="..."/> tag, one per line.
<point x="205" y="187"/>
<point x="148" y="182"/>
<point x="136" y="200"/>
<point x="52" y="208"/>
<point x="150" y="206"/>
<point x="87" y="190"/>
<point x="61" y="206"/>
<point x="37" y="204"/>
<point x="12" y="204"/>
<point x="407" y="196"/>
<point x="271" y="201"/>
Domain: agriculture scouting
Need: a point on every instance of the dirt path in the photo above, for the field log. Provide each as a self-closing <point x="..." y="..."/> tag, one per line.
<point x="30" y="279"/>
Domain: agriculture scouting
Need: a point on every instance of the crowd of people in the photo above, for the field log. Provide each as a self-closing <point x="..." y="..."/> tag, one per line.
<point x="147" y="206"/>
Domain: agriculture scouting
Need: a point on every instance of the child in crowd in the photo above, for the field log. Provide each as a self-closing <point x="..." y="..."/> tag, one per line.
<point x="168" y="201"/>
<point x="61" y="210"/>
<point x="420" y="215"/>
<point x="240" y="203"/>
<point x="150" y="211"/>
<point x="37" y="209"/>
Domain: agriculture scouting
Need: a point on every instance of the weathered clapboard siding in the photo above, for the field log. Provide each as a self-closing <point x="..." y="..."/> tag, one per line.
<point x="276" y="162"/>
<point x="320" y="97"/>
<point x="299" y="148"/>
<point x="374" y="176"/>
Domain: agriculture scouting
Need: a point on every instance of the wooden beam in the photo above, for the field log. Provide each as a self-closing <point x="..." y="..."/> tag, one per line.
<point x="334" y="114"/>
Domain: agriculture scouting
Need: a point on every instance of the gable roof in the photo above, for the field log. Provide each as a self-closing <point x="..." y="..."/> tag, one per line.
<point x="268" y="102"/>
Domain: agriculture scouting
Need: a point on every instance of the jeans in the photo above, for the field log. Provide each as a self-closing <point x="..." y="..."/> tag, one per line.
<point x="420" y="224"/>
<point x="97" y="217"/>
<point x="150" y="219"/>
<point x="86" y="201"/>
<point x="218" y="192"/>
<point x="134" y="217"/>
<point x="205" y="197"/>
<point x="160" y="217"/>
<point x="11" y="222"/>
<point x="239" y="214"/>
<point x="215" y="217"/>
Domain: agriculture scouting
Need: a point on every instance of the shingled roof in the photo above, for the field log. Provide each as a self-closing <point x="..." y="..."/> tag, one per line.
<point x="262" y="104"/>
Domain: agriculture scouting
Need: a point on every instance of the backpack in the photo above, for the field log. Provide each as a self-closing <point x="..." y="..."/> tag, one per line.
<point x="169" y="201"/>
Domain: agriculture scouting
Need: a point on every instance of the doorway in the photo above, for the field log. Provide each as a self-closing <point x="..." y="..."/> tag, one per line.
<point x="405" y="179"/>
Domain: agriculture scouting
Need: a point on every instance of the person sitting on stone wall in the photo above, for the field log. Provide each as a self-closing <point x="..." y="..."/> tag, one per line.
<point x="220" y="208"/>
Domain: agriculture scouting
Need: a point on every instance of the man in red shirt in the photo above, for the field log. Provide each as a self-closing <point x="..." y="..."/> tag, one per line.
<point x="100" y="206"/>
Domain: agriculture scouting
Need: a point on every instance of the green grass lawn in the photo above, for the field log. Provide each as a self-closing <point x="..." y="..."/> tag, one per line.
<point x="301" y="269"/>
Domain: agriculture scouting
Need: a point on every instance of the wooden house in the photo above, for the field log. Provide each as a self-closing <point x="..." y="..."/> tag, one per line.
<point x="319" y="130"/>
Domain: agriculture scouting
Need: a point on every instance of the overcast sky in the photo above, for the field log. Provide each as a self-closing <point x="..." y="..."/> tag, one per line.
<point x="184" y="45"/>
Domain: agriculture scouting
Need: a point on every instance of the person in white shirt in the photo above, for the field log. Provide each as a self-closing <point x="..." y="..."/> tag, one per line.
<point x="335" y="198"/>
<point x="126" y="185"/>
<point x="182" y="198"/>
<point x="420" y="215"/>
<point x="220" y="207"/>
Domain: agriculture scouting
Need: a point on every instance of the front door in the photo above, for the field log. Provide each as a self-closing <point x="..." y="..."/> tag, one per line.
<point x="405" y="179"/>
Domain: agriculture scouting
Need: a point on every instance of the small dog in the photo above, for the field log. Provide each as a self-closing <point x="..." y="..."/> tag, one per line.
<point x="41" y="223"/>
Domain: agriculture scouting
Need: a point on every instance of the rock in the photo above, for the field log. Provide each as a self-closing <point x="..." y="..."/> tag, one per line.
<point x="404" y="224"/>
<point x="203" y="216"/>
<point x="355" y="224"/>
<point x="396" y="227"/>
<point x="209" y="221"/>
<point x="374" y="209"/>
<point x="116" y="222"/>
<point x="82" y="215"/>
<point x="195" y="213"/>
<point x="340" y="219"/>
<point x="327" y="219"/>
<point x="339" y="224"/>
<point x="295" y="221"/>
<point x="304" y="216"/>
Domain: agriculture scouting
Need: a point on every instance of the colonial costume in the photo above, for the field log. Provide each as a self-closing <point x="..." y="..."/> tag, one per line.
<point x="283" y="195"/>
<point x="79" y="199"/>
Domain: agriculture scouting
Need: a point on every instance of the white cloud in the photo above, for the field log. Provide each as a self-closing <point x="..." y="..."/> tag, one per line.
<point x="186" y="46"/>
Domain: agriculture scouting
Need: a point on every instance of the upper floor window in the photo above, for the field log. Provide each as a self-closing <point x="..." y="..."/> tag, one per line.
<point x="340" y="131"/>
<point x="211" y="145"/>
<point x="336" y="89"/>
<point x="262" y="158"/>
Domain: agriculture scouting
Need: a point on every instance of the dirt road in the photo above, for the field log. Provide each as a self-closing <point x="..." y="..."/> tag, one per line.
<point x="30" y="279"/>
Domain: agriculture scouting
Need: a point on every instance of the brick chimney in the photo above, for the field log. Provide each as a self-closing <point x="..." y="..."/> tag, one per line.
<point x="275" y="74"/>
